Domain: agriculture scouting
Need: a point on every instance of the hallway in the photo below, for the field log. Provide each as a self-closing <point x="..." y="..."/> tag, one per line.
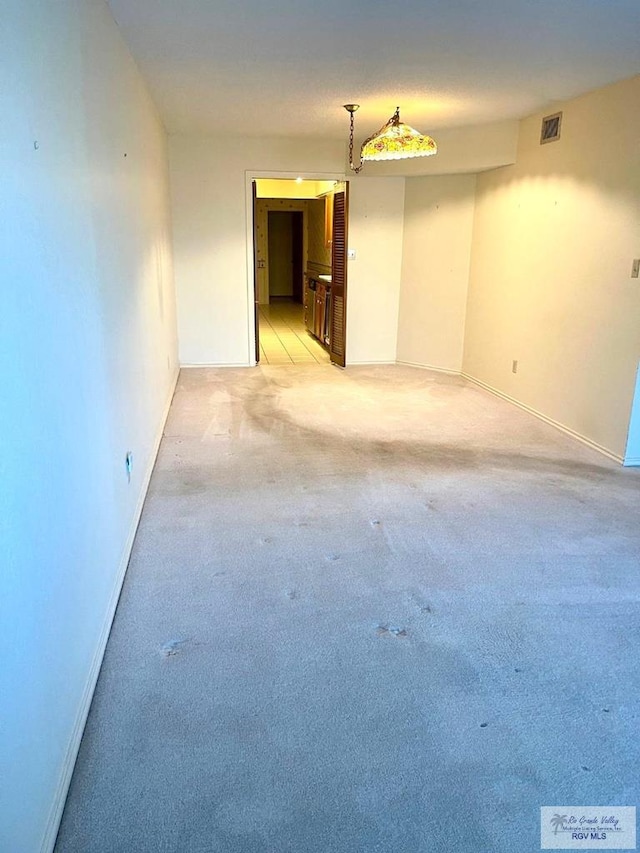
<point x="284" y="339"/>
<point x="375" y="609"/>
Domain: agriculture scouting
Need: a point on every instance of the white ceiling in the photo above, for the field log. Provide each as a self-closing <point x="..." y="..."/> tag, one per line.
<point x="284" y="68"/>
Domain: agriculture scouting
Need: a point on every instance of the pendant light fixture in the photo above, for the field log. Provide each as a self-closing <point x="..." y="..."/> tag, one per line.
<point x="394" y="141"/>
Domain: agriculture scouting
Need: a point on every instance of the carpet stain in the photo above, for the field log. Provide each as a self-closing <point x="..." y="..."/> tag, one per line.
<point x="186" y="487"/>
<point x="391" y="631"/>
<point x="173" y="647"/>
<point x="419" y="602"/>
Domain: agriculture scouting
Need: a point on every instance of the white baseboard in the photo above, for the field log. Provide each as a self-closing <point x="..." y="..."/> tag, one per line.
<point x="62" y="788"/>
<point x="631" y="461"/>
<point x="369" y="363"/>
<point x="217" y="364"/>
<point x="430" y="367"/>
<point x="565" y="429"/>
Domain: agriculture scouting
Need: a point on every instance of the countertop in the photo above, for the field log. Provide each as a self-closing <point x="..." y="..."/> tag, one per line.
<point x="326" y="279"/>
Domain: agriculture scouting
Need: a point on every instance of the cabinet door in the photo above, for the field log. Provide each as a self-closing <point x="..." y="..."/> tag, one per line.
<point x="319" y="318"/>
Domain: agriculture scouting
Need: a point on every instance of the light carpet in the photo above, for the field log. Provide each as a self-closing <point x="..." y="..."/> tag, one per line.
<point x="371" y="610"/>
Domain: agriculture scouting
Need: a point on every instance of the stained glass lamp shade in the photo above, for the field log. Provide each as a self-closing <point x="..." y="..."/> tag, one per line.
<point x="397" y="140"/>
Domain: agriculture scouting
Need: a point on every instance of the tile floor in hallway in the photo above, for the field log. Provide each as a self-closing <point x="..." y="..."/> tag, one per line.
<point x="284" y="338"/>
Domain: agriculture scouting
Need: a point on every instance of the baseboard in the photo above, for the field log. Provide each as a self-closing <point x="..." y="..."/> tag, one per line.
<point x="189" y="366"/>
<point x="430" y="367"/>
<point x="565" y="429"/>
<point x="62" y="788"/>
<point x="631" y="461"/>
<point x="369" y="363"/>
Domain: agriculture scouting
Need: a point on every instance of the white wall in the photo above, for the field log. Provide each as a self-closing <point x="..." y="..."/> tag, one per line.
<point x="438" y="224"/>
<point x="87" y="337"/>
<point x="554" y="238"/>
<point x="373" y="278"/>
<point x="209" y="212"/>
<point x="209" y="208"/>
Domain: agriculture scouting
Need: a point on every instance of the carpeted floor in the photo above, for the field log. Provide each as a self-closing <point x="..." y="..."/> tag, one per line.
<point x="372" y="610"/>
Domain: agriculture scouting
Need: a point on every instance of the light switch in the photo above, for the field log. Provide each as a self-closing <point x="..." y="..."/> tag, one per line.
<point x="351" y="254"/>
<point x="635" y="268"/>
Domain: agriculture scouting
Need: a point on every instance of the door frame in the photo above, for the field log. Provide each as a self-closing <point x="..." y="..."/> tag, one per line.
<point x="252" y="175"/>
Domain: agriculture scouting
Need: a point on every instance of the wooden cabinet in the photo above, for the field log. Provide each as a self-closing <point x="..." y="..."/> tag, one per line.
<point x="320" y="320"/>
<point x="317" y="300"/>
<point x="328" y="221"/>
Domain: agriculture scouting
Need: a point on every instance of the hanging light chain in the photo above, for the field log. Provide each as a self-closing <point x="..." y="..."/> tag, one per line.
<point x="356" y="169"/>
<point x="394" y="141"/>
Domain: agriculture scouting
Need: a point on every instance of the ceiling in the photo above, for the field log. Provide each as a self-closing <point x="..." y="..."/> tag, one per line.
<point x="284" y="68"/>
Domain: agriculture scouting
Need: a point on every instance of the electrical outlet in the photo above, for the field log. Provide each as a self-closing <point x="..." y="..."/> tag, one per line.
<point x="128" y="464"/>
<point x="514" y="366"/>
<point x="635" y="268"/>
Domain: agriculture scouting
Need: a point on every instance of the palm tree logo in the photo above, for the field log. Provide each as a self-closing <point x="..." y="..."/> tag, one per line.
<point x="557" y="821"/>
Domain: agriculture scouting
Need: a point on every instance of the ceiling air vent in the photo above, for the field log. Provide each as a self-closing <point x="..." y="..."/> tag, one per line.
<point x="550" y="128"/>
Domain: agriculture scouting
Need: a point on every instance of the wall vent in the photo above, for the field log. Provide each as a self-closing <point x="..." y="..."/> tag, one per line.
<point x="550" y="128"/>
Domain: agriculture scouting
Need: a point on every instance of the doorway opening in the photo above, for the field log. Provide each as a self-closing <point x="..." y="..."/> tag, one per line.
<point x="285" y="248"/>
<point x="284" y="337"/>
<point x="299" y="268"/>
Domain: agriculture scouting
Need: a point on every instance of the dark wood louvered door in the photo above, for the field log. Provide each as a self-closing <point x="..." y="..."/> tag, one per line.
<point x="256" y="302"/>
<point x="338" y="304"/>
